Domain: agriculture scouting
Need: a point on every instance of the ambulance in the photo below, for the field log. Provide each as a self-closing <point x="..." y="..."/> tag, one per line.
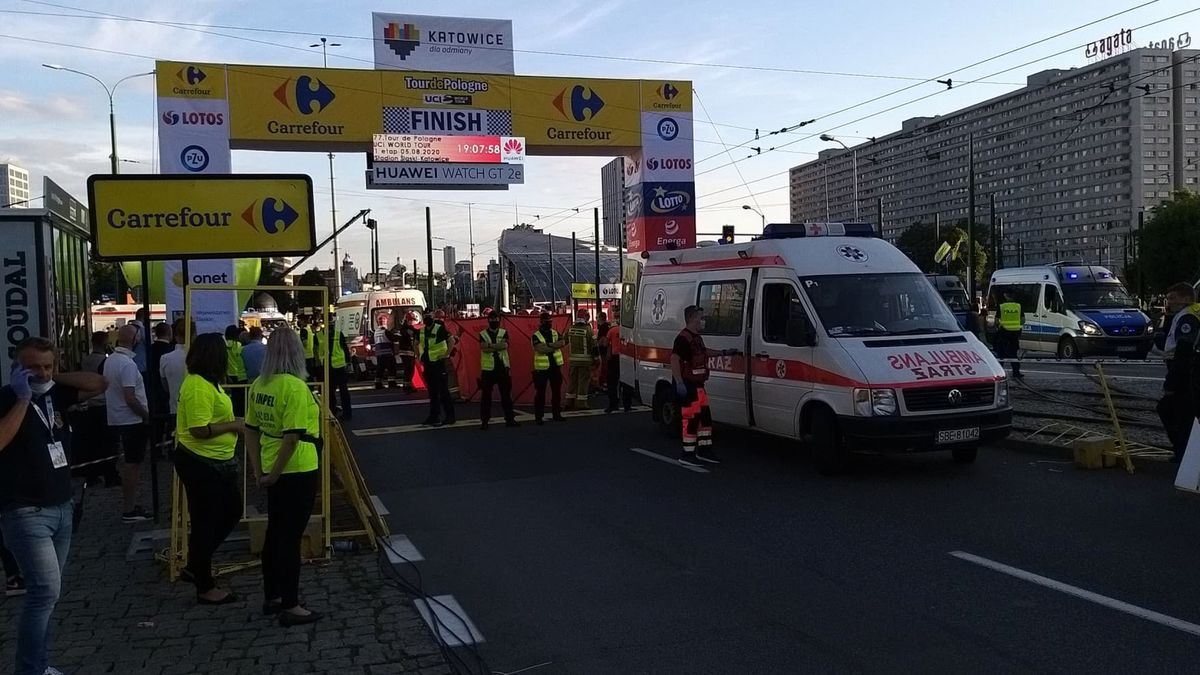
<point x="357" y="314"/>
<point x="820" y="332"/>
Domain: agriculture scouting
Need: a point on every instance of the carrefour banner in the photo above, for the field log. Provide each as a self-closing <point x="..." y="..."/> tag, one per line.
<point x="577" y="112"/>
<point x="297" y="108"/>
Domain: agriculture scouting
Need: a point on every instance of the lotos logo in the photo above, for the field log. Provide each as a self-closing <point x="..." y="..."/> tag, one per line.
<point x="402" y="39"/>
<point x="311" y="95"/>
<point x="192" y="118"/>
<point x="666" y="202"/>
<point x="581" y="105"/>
<point x="631" y="166"/>
<point x="514" y="147"/>
<point x="273" y="217"/>
<point x="191" y="75"/>
<point x="669" y="164"/>
<point x="667" y="91"/>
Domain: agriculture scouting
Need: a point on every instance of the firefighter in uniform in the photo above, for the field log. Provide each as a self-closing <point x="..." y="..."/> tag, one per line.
<point x="494" y="371"/>
<point x="547" y="369"/>
<point x="385" y="357"/>
<point x="689" y="368"/>
<point x="582" y="342"/>
<point x="406" y="350"/>
<point x="1177" y="406"/>
<point x="1008" y="335"/>
<point x="434" y="342"/>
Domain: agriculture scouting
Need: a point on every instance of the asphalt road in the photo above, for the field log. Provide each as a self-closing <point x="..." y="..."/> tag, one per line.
<point x="566" y="548"/>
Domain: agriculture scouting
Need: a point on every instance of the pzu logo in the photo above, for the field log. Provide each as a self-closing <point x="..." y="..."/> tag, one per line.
<point x="273" y="217"/>
<point x="310" y="95"/>
<point x="580" y="104"/>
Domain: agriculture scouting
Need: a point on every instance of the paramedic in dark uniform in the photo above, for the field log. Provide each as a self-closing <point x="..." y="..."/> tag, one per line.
<point x="1176" y="408"/>
<point x="689" y="368"/>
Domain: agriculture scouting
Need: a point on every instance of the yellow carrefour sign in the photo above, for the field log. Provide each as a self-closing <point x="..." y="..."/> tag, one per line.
<point x="667" y="96"/>
<point x="138" y="217"/>
<point x="189" y="80"/>
<point x="560" y="111"/>
<point x="310" y="107"/>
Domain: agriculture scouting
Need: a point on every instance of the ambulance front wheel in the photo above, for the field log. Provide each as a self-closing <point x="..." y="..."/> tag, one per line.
<point x="828" y="445"/>
<point x="964" y="455"/>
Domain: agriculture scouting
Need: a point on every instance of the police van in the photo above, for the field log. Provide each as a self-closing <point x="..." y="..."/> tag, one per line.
<point x="821" y="332"/>
<point x="1073" y="310"/>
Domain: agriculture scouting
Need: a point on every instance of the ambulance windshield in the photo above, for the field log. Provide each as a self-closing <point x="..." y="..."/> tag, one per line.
<point x="878" y="304"/>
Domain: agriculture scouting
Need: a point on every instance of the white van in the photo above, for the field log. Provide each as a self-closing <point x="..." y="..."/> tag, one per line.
<point x="821" y="331"/>
<point x="1073" y="311"/>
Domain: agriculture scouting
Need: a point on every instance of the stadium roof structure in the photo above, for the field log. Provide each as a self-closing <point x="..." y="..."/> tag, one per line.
<point x="528" y="250"/>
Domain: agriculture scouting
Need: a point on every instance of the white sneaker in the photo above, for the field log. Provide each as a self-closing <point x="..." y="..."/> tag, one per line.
<point x="50" y="670"/>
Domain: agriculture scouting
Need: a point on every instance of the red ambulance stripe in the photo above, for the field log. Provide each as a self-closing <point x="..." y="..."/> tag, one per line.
<point x="702" y="265"/>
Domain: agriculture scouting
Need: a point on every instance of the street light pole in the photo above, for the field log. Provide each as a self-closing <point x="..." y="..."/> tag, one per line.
<point x="760" y="214"/>
<point x="324" y="44"/>
<point x="853" y="168"/>
<point x="112" y="116"/>
<point x="971" y="216"/>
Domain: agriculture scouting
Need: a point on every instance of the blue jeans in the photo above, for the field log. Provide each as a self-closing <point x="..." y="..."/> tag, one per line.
<point x="39" y="538"/>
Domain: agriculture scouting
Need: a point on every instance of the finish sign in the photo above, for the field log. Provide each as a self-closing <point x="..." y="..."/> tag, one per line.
<point x="468" y="149"/>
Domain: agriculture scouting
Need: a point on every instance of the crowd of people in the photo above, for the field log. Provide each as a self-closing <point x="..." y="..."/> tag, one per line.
<point x="200" y="402"/>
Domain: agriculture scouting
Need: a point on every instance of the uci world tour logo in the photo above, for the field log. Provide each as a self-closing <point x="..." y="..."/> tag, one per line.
<point x="308" y="96"/>
<point x="273" y="217"/>
<point x="402" y="39"/>
<point x="578" y="103"/>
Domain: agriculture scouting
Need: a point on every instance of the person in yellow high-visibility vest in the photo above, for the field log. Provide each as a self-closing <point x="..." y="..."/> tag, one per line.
<point x="494" y="371"/>
<point x="1008" y="336"/>
<point x="338" y="353"/>
<point x="547" y="369"/>
<point x="434" y="343"/>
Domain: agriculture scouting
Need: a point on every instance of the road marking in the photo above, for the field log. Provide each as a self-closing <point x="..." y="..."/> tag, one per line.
<point x="387" y="404"/>
<point x="453" y="625"/>
<point x="1104" y="600"/>
<point x="668" y="460"/>
<point x="522" y="416"/>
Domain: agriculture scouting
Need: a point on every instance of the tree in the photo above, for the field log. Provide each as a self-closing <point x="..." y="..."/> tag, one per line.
<point x="105" y="280"/>
<point x="921" y="245"/>
<point x="1169" y="243"/>
<point x="271" y="275"/>
<point x="312" y="277"/>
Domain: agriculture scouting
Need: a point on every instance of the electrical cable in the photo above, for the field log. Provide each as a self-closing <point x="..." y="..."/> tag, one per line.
<point x="696" y="94"/>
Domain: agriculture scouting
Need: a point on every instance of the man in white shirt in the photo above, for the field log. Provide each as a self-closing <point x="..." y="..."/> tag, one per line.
<point x="128" y="412"/>
<point x="173" y="368"/>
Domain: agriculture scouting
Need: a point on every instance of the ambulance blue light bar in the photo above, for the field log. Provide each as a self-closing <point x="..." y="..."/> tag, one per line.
<point x="799" y="230"/>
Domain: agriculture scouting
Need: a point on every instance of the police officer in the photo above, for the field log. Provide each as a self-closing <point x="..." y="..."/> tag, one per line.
<point x="494" y="370"/>
<point x="583" y="358"/>
<point x="547" y="368"/>
<point x="385" y="357"/>
<point x="689" y="368"/>
<point x="1008" y="335"/>
<point x="434" y="342"/>
<point x="1176" y="408"/>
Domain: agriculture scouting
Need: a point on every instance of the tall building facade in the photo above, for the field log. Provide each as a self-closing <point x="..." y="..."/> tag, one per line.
<point x="14" y="187"/>
<point x="449" y="257"/>
<point x="464" y="286"/>
<point x="1071" y="159"/>
<point x="612" y="211"/>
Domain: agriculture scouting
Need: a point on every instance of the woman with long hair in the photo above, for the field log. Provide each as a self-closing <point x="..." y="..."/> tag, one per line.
<point x="283" y="435"/>
<point x="206" y="433"/>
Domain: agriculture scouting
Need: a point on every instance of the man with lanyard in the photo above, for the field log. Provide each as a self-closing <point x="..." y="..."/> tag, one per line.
<point x="1176" y="408"/>
<point x="1008" y="333"/>
<point x="434" y="341"/>
<point x="689" y="368"/>
<point x="35" y="485"/>
<point x="494" y="369"/>
<point x="547" y="369"/>
<point x="385" y="357"/>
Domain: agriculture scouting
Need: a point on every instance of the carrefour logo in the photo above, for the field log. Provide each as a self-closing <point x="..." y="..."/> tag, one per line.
<point x="273" y="216"/>
<point x="667" y="98"/>
<point x="581" y="104"/>
<point x="191" y="76"/>
<point x="309" y="95"/>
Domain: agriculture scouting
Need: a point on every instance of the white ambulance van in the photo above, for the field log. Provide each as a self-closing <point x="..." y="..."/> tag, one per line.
<point x="821" y="332"/>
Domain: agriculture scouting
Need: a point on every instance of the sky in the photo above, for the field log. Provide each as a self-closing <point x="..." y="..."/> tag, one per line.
<point x="857" y="67"/>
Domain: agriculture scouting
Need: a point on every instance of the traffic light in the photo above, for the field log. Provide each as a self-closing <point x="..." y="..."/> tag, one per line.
<point x="726" y="234"/>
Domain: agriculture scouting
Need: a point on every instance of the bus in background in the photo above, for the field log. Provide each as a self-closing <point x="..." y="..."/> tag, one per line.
<point x="952" y="290"/>
<point x="357" y="314"/>
<point x="111" y="316"/>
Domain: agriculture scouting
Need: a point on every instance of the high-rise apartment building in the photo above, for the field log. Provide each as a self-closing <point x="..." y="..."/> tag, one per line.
<point x="1071" y="159"/>
<point x="14" y="187"/>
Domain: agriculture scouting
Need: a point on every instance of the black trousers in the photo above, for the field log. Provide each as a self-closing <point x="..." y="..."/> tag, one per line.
<point x="438" y="386"/>
<point x="238" y="396"/>
<point x="339" y="382"/>
<point x="615" y="386"/>
<point x="11" y="569"/>
<point x="554" y="377"/>
<point x="1176" y="411"/>
<point x="1008" y="346"/>
<point x="495" y="378"/>
<point x="385" y="364"/>
<point x="215" y="506"/>
<point x="314" y="369"/>
<point x="289" y="506"/>
<point x="92" y="424"/>
<point x="408" y="368"/>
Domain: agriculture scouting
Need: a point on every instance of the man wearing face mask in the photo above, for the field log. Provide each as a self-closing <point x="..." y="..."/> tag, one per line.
<point x="494" y="369"/>
<point x="689" y="368"/>
<point x="35" y="485"/>
<point x="1176" y="407"/>
<point x="435" y="343"/>
<point x="547" y="369"/>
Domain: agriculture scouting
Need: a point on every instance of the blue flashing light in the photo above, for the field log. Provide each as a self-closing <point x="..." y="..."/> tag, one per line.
<point x="1072" y="275"/>
<point x="802" y="230"/>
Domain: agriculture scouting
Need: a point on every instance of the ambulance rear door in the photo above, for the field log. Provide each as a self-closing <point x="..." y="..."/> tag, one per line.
<point x="727" y="300"/>
<point x="782" y="342"/>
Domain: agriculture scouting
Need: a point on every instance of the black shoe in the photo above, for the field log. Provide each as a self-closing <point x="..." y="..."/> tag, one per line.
<point x="512" y="424"/>
<point x="541" y="422"/>
<point x="137" y="515"/>
<point x="689" y="459"/>
<point x="272" y="607"/>
<point x="483" y="426"/>
<point x="707" y="457"/>
<point x="379" y="385"/>
<point x="609" y="410"/>
<point x="14" y="586"/>
<point x="449" y="421"/>
<point x="230" y="597"/>
<point x="559" y="418"/>
<point x="391" y="385"/>
<point x="287" y="619"/>
<point x="430" y="422"/>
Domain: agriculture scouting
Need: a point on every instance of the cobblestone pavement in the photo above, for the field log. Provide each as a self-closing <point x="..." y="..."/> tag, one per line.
<point x="124" y="617"/>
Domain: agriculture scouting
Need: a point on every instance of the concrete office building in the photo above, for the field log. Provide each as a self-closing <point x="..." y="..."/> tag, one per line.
<point x="14" y="187"/>
<point x="449" y="256"/>
<point x="1072" y="158"/>
<point x="612" y="211"/>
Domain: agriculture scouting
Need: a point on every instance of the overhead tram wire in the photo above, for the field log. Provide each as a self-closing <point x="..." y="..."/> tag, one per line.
<point x="696" y="95"/>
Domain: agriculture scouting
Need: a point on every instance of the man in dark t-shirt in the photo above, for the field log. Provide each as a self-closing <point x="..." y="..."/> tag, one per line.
<point x="35" y="484"/>
<point x="689" y="370"/>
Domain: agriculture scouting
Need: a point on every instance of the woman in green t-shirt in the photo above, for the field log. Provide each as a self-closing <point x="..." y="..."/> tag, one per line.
<point x="235" y="368"/>
<point x="283" y="432"/>
<point x="206" y="434"/>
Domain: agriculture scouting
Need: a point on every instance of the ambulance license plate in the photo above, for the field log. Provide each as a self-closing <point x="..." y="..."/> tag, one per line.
<point x="1126" y="349"/>
<point x="957" y="436"/>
